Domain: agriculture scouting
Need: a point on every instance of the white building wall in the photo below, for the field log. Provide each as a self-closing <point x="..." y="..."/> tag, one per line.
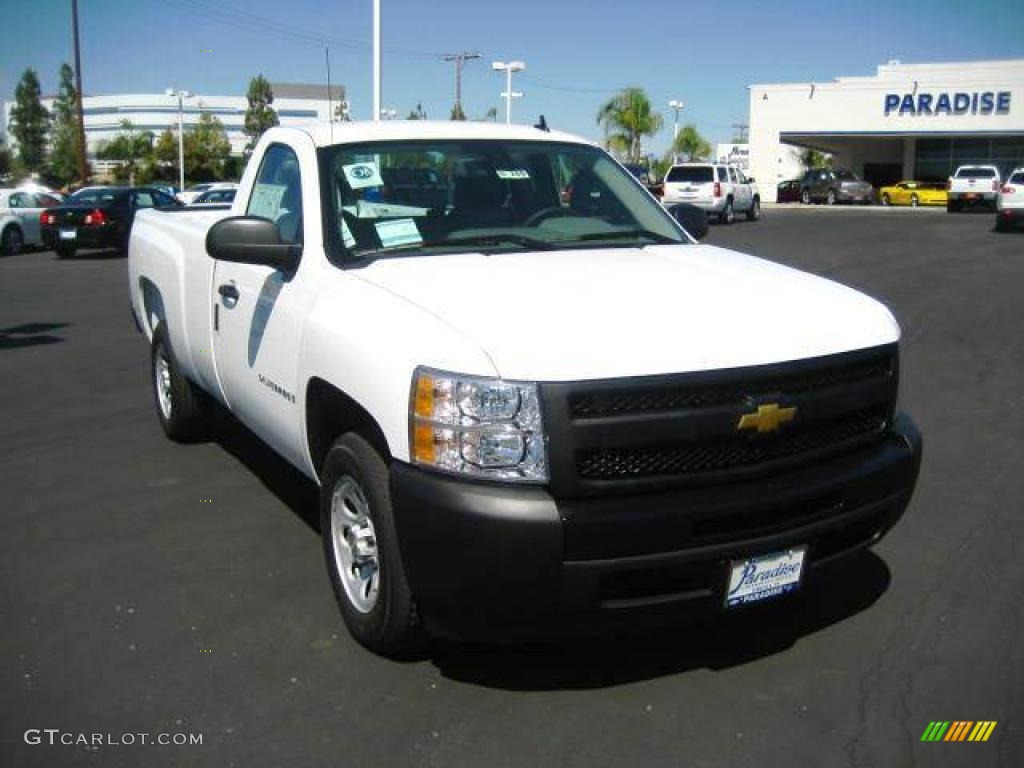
<point x="855" y="108"/>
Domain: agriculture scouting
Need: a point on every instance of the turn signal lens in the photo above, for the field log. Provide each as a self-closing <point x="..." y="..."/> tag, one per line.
<point x="46" y="218"/>
<point x="477" y="426"/>
<point x="1008" y="190"/>
<point x="95" y="217"/>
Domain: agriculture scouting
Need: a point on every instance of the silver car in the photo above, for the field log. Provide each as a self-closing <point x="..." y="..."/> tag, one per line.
<point x="834" y="185"/>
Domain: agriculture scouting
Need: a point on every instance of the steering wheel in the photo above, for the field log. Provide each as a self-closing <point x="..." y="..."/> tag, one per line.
<point x="537" y="217"/>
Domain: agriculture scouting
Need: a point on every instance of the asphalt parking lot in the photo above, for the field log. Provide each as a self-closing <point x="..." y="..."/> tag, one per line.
<point x="149" y="587"/>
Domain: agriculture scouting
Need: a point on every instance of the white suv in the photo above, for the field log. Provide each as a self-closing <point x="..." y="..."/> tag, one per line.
<point x="722" y="190"/>
<point x="1010" y="202"/>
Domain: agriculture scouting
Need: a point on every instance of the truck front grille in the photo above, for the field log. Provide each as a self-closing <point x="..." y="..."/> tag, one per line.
<point x="654" y="432"/>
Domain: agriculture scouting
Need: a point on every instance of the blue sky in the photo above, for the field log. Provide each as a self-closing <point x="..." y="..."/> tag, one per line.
<point x="577" y="52"/>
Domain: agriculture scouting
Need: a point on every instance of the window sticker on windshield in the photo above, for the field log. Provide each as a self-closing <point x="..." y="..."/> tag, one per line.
<point x="266" y="200"/>
<point x="398" y="232"/>
<point x="361" y="175"/>
<point x="514" y="174"/>
<point x="346" y="235"/>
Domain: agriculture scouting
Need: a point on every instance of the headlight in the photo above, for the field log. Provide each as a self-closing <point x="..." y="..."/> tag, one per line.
<point x="477" y="426"/>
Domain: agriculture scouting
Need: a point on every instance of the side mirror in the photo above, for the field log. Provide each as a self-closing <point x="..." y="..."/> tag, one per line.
<point x="252" y="240"/>
<point x="751" y="179"/>
<point x="691" y="218"/>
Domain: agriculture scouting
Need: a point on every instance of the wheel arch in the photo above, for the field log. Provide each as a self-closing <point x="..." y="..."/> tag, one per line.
<point x="330" y="413"/>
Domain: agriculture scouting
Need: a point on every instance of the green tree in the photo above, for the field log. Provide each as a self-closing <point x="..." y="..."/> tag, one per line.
<point x="130" y="149"/>
<point x="260" y="115"/>
<point x="206" y="149"/>
<point x="627" y="118"/>
<point x="457" y="113"/>
<point x="418" y="113"/>
<point x="690" y="144"/>
<point x="30" y="122"/>
<point x="64" y="142"/>
<point x="6" y="161"/>
<point x="812" y="158"/>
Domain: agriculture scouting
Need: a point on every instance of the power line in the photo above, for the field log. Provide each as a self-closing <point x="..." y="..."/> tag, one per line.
<point x="460" y="59"/>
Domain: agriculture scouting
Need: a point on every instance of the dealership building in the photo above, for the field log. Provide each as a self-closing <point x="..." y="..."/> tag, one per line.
<point x="295" y="103"/>
<point x="907" y="121"/>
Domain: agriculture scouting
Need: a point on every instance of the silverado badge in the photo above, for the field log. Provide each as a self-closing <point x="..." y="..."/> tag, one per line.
<point x="767" y="418"/>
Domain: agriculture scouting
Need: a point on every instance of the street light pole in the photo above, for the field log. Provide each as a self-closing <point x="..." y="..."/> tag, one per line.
<point x="509" y="94"/>
<point x="181" y="96"/>
<point x="376" y="60"/>
<point x="676" y="105"/>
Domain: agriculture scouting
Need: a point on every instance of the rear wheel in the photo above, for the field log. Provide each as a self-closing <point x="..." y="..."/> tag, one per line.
<point x="914" y="202"/>
<point x="180" y="406"/>
<point x="754" y="211"/>
<point x="12" y="240"/>
<point x="805" y="196"/>
<point x="885" y="199"/>
<point x="728" y="215"/>
<point x="952" y="206"/>
<point x="361" y="549"/>
<point x="831" y="198"/>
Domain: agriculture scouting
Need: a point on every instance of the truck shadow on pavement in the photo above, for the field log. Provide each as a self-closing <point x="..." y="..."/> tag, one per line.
<point x="838" y="591"/>
<point x="94" y="254"/>
<point x="30" y="335"/>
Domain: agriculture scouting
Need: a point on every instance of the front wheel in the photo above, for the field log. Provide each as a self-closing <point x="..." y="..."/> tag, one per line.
<point x="885" y="199"/>
<point x="180" y="406"/>
<point x="805" y="196"/>
<point x="360" y="544"/>
<point x="754" y="211"/>
<point x="12" y="241"/>
<point x="952" y="207"/>
<point x="914" y="202"/>
<point x="831" y="198"/>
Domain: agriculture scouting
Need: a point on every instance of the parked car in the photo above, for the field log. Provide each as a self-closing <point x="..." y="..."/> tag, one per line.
<point x="788" y="191"/>
<point x="523" y="414"/>
<point x="913" y="193"/>
<point x="834" y="185"/>
<point x="190" y="194"/>
<point x="643" y="175"/>
<point x="973" y="185"/>
<point x="98" y="217"/>
<point x="214" y="197"/>
<point x="19" y="218"/>
<point x="1010" y="202"/>
<point x="721" y="190"/>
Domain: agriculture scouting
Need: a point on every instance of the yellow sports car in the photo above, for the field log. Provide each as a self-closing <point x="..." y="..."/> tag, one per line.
<point x="913" y="193"/>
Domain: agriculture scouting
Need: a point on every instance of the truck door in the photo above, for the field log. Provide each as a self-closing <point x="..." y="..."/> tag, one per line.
<point x="258" y="316"/>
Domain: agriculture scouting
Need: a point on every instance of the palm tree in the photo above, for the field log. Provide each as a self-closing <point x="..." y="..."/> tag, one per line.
<point x="690" y="144"/>
<point x="627" y="117"/>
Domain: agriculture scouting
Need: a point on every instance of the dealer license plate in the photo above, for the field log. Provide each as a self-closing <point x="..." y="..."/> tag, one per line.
<point x="68" y="234"/>
<point x="764" y="577"/>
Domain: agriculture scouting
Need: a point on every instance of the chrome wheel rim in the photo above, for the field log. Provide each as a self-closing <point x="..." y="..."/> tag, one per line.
<point x="354" y="543"/>
<point x="162" y="382"/>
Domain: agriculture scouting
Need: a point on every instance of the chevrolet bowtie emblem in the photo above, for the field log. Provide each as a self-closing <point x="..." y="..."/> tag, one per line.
<point x="767" y="418"/>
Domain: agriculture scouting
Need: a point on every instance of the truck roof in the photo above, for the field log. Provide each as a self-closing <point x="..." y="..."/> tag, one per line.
<point x="325" y="134"/>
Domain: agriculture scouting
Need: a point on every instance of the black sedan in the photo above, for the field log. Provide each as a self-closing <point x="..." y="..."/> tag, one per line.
<point x="98" y="217"/>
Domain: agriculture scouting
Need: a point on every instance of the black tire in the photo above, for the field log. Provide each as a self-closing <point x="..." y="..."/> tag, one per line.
<point x="185" y="418"/>
<point x="12" y="240"/>
<point x="805" y="196"/>
<point x="885" y="199"/>
<point x="1001" y="226"/>
<point x="389" y="626"/>
<point x="831" y="198"/>
<point x="952" y="207"/>
<point x="65" y="251"/>
<point x="754" y="211"/>
<point x="728" y="214"/>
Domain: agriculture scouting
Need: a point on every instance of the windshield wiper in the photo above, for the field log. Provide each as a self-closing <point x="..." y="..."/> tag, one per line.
<point x="620" y="233"/>
<point x="492" y="238"/>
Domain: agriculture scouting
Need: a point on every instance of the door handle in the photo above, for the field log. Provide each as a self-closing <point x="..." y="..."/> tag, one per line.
<point x="228" y="292"/>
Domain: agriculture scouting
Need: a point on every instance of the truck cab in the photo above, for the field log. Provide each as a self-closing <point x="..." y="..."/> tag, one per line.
<point x="526" y="411"/>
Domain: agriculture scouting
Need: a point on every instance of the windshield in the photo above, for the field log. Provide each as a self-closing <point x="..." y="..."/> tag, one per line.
<point x="844" y="175"/>
<point x="699" y="173"/>
<point x="1017" y="178"/>
<point x="95" y="197"/>
<point x="414" y="197"/>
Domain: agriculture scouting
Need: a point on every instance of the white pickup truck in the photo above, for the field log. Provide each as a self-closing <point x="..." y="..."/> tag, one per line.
<point x="526" y="411"/>
<point x="972" y="185"/>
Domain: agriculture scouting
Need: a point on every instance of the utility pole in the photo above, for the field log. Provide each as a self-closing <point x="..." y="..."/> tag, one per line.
<point x="460" y="60"/>
<point x="82" y="168"/>
<point x="509" y="94"/>
<point x="740" y="132"/>
<point x="376" y="60"/>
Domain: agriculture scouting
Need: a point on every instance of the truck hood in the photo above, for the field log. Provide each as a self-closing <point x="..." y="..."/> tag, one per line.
<point x="612" y="312"/>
